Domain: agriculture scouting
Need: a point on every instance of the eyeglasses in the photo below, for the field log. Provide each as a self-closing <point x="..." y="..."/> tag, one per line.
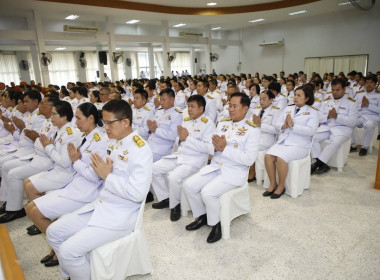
<point x="111" y="122"/>
<point x="54" y="113"/>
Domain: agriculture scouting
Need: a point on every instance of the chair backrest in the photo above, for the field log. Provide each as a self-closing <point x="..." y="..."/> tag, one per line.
<point x="140" y="216"/>
<point x="312" y="141"/>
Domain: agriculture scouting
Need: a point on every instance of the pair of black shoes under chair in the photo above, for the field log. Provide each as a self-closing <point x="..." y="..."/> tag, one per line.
<point x="175" y="213"/>
<point x="319" y="167"/>
<point x="49" y="261"/>
<point x="362" y="152"/>
<point x="216" y="231"/>
<point x="8" y="216"/>
<point x="272" y="194"/>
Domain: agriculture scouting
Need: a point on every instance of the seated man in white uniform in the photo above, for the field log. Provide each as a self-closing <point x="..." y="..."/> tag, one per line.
<point x="141" y="113"/>
<point x="163" y="126"/>
<point x="337" y="118"/>
<point x="127" y="174"/>
<point x="193" y="140"/>
<point x="235" y="145"/>
<point x="369" y="110"/>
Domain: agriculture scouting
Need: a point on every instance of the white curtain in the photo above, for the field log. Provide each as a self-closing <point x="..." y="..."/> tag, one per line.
<point x="92" y="65"/>
<point x="158" y="63"/>
<point x="9" y="69"/>
<point x="120" y="69"/>
<point x="181" y="62"/>
<point x="326" y="65"/>
<point x="31" y="68"/>
<point x="359" y="63"/>
<point x="311" y="65"/>
<point x="342" y="64"/>
<point x="135" y="65"/>
<point x="62" y="68"/>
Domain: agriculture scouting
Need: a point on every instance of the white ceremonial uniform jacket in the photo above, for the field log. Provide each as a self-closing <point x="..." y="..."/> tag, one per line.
<point x="217" y="94"/>
<point x="305" y="126"/>
<point x="58" y="152"/>
<point x="290" y="97"/>
<point x="5" y="136"/>
<point x="280" y="101"/>
<point x="240" y="153"/>
<point x="195" y="150"/>
<point x="373" y="110"/>
<point x="126" y="187"/>
<point x="255" y="101"/>
<point x="211" y="111"/>
<point x="140" y="117"/>
<point x="347" y="111"/>
<point x="268" y="125"/>
<point x="86" y="185"/>
<point x="180" y="100"/>
<point x="80" y="101"/>
<point x="162" y="140"/>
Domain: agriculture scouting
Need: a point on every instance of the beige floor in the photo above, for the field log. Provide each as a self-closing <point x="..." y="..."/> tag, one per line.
<point x="331" y="232"/>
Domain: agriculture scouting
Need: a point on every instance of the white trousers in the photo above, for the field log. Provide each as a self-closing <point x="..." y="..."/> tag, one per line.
<point x="330" y="149"/>
<point x="369" y="130"/>
<point x="167" y="179"/>
<point x="203" y="193"/>
<point x="72" y="240"/>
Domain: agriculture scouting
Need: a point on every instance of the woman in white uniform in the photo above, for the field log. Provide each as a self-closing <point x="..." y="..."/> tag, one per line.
<point x="84" y="187"/>
<point x="297" y="125"/>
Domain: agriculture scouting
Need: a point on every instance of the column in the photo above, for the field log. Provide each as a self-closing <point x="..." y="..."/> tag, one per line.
<point x="193" y="67"/>
<point x="100" y="65"/>
<point x="112" y="49"/>
<point x="151" y="61"/>
<point x="208" y="50"/>
<point x="40" y="44"/>
<point x="166" y="49"/>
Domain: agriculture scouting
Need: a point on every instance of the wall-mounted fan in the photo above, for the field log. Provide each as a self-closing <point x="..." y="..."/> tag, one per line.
<point x="214" y="57"/>
<point x="46" y="59"/>
<point x="129" y="62"/>
<point x="24" y="65"/>
<point x="117" y="57"/>
<point x="171" y="57"/>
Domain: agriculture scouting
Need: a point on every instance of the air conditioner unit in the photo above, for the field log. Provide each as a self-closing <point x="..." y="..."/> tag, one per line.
<point x="68" y="28"/>
<point x="187" y="34"/>
<point x="266" y="44"/>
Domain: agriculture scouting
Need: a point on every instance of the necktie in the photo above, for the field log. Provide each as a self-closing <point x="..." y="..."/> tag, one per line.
<point x="55" y="136"/>
<point x="297" y="109"/>
<point x="261" y="114"/>
<point x="83" y="141"/>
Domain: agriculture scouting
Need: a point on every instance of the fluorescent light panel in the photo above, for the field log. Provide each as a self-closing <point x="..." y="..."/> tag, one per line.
<point x="212" y="4"/>
<point x="179" y="25"/>
<point x="60" y="49"/>
<point x="133" y="21"/>
<point x="216" y="28"/>
<point x="118" y="49"/>
<point x="298" y="13"/>
<point x="257" y="20"/>
<point x="72" y="17"/>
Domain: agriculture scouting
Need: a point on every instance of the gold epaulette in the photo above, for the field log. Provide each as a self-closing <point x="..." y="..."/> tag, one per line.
<point x="210" y="97"/>
<point x="146" y="108"/>
<point x="139" y="142"/>
<point x="283" y="94"/>
<point x="351" y="99"/>
<point x="96" y="137"/>
<point x="328" y="98"/>
<point x="314" y="108"/>
<point x="84" y="99"/>
<point x="10" y="109"/>
<point x="317" y="100"/>
<point x="225" y="119"/>
<point x="69" y="130"/>
<point x="275" y="107"/>
<point x="251" y="123"/>
<point x="218" y="91"/>
<point x="359" y="91"/>
<point x="204" y="119"/>
<point x="258" y="107"/>
<point x="178" y="111"/>
<point x="38" y="113"/>
<point x="186" y="119"/>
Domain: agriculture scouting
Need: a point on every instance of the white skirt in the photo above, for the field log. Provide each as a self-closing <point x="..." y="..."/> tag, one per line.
<point x="288" y="153"/>
<point x="50" y="180"/>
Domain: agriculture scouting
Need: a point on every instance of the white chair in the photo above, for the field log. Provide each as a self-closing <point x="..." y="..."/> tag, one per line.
<point x="358" y="137"/>
<point x="260" y="167"/>
<point x="124" y="257"/>
<point x="185" y="207"/>
<point x="339" y="159"/>
<point x="232" y="205"/>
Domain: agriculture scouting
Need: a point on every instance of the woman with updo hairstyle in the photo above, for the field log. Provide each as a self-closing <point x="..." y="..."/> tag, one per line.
<point x="85" y="184"/>
<point x="95" y="99"/>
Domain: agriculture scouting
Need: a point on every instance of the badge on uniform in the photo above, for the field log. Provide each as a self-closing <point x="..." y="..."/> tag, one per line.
<point x="47" y="129"/>
<point x="306" y="113"/>
<point x="236" y="146"/>
<point x="123" y="158"/>
<point x="110" y="146"/>
<point x="224" y="128"/>
<point x="241" y="131"/>
<point x="344" y="108"/>
<point x="197" y="130"/>
<point x="168" y="118"/>
<point x="125" y="152"/>
<point x="60" y="140"/>
<point x="87" y="151"/>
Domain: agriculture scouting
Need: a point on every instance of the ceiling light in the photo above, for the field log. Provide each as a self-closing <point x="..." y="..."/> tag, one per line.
<point x="60" y="49"/>
<point x="212" y="4"/>
<point x="179" y="25"/>
<point x="118" y="49"/>
<point x="72" y="17"/>
<point x="133" y="21"/>
<point x="298" y="13"/>
<point x="257" y="20"/>
<point x="216" y="28"/>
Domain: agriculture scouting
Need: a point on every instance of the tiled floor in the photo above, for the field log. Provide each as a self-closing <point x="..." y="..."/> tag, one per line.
<point x="332" y="231"/>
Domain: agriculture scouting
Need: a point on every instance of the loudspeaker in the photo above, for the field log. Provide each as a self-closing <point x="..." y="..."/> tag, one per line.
<point x="196" y="60"/>
<point x="103" y="57"/>
<point x="81" y="55"/>
<point x="97" y="74"/>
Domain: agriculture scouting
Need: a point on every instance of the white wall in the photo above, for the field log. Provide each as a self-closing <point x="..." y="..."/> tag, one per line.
<point x="344" y="33"/>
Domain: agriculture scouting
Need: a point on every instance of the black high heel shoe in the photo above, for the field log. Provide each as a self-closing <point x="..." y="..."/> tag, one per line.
<point x="268" y="193"/>
<point x="275" y="195"/>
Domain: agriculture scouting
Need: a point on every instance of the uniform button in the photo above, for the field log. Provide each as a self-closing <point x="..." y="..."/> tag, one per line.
<point x="220" y="164"/>
<point x="101" y="200"/>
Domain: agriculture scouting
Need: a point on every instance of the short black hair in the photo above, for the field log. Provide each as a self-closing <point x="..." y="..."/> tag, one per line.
<point x="213" y="82"/>
<point x="167" y="91"/>
<point x="120" y="108"/>
<point x="82" y="91"/>
<point x="201" y="101"/>
<point x="14" y="95"/>
<point x="142" y="92"/>
<point x="292" y="82"/>
<point x="256" y="86"/>
<point x="244" y="100"/>
<point x="371" y="78"/>
<point x="53" y="99"/>
<point x="269" y="93"/>
<point x="89" y="109"/>
<point x="204" y="83"/>
<point x="338" y="81"/>
<point x="275" y="86"/>
<point x="64" y="110"/>
<point x="308" y="91"/>
<point x="33" y="95"/>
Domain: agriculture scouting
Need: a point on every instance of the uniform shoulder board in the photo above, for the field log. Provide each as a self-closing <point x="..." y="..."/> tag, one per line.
<point x="139" y="142"/>
<point x="258" y="107"/>
<point x="204" y="119"/>
<point x="283" y="94"/>
<point x="275" y="107"/>
<point x="225" y="119"/>
<point x="38" y="113"/>
<point x="317" y="100"/>
<point x="187" y="119"/>
<point x="96" y="137"/>
<point x="146" y="108"/>
<point x="351" y="99"/>
<point x="328" y="98"/>
<point x="359" y="91"/>
<point x="178" y="111"/>
<point x="218" y="91"/>
<point x="210" y="97"/>
<point x="314" y="108"/>
<point x="251" y="123"/>
<point x="10" y="109"/>
<point x="329" y="92"/>
<point x="84" y="99"/>
<point x="69" y="130"/>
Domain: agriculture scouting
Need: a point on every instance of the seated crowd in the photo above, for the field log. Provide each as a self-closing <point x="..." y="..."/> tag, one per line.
<point x="88" y="154"/>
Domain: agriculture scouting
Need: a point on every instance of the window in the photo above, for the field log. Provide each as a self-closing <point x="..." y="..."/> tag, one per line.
<point x="181" y="62"/>
<point x="143" y="64"/>
<point x="62" y="68"/>
<point x="31" y="68"/>
<point x="92" y="66"/>
<point x="9" y="69"/>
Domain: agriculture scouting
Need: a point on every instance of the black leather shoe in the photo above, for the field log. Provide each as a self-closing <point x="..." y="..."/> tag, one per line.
<point x="161" y="205"/>
<point x="149" y="197"/>
<point x="363" y="152"/>
<point x="52" y="263"/>
<point x="267" y="193"/>
<point x="46" y="258"/>
<point x="314" y="167"/>
<point x="215" y="234"/>
<point x="2" y="208"/>
<point x="251" y="180"/>
<point x="198" y="223"/>
<point x="322" y="169"/>
<point x="353" y="149"/>
<point x="30" y="227"/>
<point x="12" y="215"/>
<point x="275" y="195"/>
<point x="175" y="213"/>
<point x="34" y="231"/>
